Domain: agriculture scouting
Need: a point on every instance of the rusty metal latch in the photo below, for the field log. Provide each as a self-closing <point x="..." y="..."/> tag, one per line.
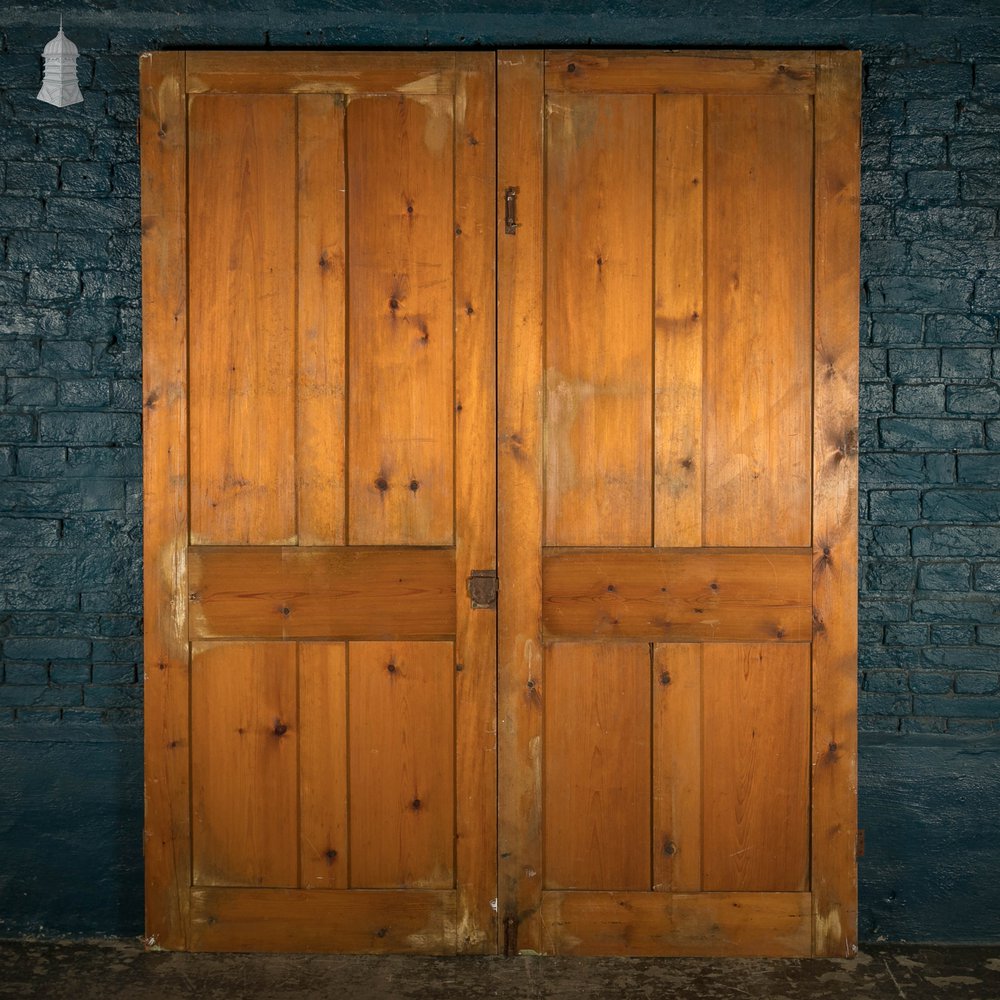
<point x="483" y="586"/>
<point x="510" y="211"/>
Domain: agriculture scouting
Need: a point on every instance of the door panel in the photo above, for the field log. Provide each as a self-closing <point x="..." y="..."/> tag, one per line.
<point x="332" y="379"/>
<point x="662" y="372"/>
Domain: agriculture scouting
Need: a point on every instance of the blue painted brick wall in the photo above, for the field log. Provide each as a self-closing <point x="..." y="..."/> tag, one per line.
<point x="70" y="357"/>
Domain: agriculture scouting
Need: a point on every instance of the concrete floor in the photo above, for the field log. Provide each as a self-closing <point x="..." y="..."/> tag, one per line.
<point x="123" y="971"/>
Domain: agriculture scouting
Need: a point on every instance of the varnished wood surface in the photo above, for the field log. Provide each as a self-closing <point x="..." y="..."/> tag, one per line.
<point x="401" y="338"/>
<point x="320" y="397"/>
<point x="677" y="594"/>
<point x="244" y="753"/>
<point x="645" y="71"/>
<point x="418" y="922"/>
<point x="475" y="499"/>
<point x="520" y="332"/>
<point x="755" y="773"/>
<point x="324" y="849"/>
<point x="700" y="924"/>
<point x="360" y="73"/>
<point x="835" y="529"/>
<point x="321" y="593"/>
<point x="598" y="344"/>
<point x="758" y="361"/>
<point x="678" y="313"/>
<point x="597" y="766"/>
<point x="677" y="767"/>
<point x="242" y="319"/>
<point x="402" y="770"/>
<point x="166" y="679"/>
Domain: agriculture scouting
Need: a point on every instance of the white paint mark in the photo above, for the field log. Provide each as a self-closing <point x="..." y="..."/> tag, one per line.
<point x="895" y="983"/>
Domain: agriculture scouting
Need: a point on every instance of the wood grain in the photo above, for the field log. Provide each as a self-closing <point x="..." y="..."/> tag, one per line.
<point x="695" y="924"/>
<point x="167" y="830"/>
<point x="677" y="766"/>
<point x="321" y="72"/>
<point x="758" y="363"/>
<point x="649" y="72"/>
<point x="321" y="593"/>
<point x="520" y="335"/>
<point x="598" y="340"/>
<point x="680" y="595"/>
<point x="597" y="766"/>
<point x="402" y="764"/>
<point x="755" y="767"/>
<point x="679" y="274"/>
<point x="320" y="418"/>
<point x="417" y="922"/>
<point x="401" y="327"/>
<point x="242" y="316"/>
<point x="244" y="754"/>
<point x="835" y="507"/>
<point x="323" y="844"/>
<point x="475" y="498"/>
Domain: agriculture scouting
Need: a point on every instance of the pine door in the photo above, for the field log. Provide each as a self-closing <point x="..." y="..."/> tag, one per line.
<point x="653" y="751"/>
<point x="678" y="343"/>
<point x="320" y="485"/>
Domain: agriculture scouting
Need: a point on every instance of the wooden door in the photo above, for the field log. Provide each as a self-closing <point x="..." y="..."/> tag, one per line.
<point x="677" y="536"/>
<point x="319" y="486"/>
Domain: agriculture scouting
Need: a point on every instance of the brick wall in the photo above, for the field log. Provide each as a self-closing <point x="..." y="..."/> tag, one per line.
<point x="70" y="502"/>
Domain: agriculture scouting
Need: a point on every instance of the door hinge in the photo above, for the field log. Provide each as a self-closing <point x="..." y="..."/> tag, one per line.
<point x="510" y="211"/>
<point x="861" y="844"/>
<point x="510" y="937"/>
<point x="482" y="586"/>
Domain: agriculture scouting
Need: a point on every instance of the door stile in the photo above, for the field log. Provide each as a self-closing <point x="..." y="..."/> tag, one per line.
<point x="835" y="505"/>
<point x="166" y="673"/>
<point x="520" y="312"/>
<point x="475" y="498"/>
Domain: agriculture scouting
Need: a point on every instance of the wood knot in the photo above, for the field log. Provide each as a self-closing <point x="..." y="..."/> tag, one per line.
<point x="832" y="747"/>
<point x="611" y="588"/>
<point x="416" y="803"/>
<point x="458" y="230"/>
<point x="286" y="611"/>
<point x="381" y="485"/>
<point x="531" y="685"/>
<point x="279" y="728"/>
<point x="664" y="678"/>
<point x="393" y="303"/>
<point x="331" y="855"/>
<point x="381" y="932"/>
<point x="469" y="311"/>
<point x="669" y="848"/>
<point x="414" y="485"/>
<point x="391" y="667"/>
<point x="571" y="68"/>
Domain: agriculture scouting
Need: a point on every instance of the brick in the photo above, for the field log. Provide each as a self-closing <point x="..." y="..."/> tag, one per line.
<point x="89" y="213"/>
<point x="23" y="695"/>
<point x="962" y="659"/>
<point x="931" y="682"/>
<point x="908" y="152"/>
<point x="916" y="363"/>
<point x="941" y="610"/>
<point x="111" y="285"/>
<point x="887" y="540"/>
<point x="897" y="328"/>
<point x="875" y="397"/>
<point x="19" y="355"/>
<point x="967" y="399"/>
<point x="919" y="399"/>
<point x="978" y="117"/>
<point x="31" y="391"/>
<point x="884" y="681"/>
<point x="61" y="357"/>
<point x="987" y="294"/>
<point x="940" y="468"/>
<point x="882" y="610"/>
<point x="916" y="292"/>
<point x="26" y="673"/>
<point x="932" y="79"/>
<point x="979" y="469"/>
<point x="944" y="576"/>
<point x="958" y="256"/>
<point x="90" y="428"/>
<point x="93" y="392"/>
<point x="966" y="363"/>
<point x="980" y="185"/>
<point x="956" y="706"/>
<point x="975" y="151"/>
<point x="30" y="249"/>
<point x="125" y="179"/>
<point x="956" y="540"/>
<point x="922" y="434"/>
<point x="102" y="495"/>
<point x="107" y="461"/>
<point x="89" y="178"/>
<point x="961" y="505"/>
<point x="56" y="143"/>
<point x="906" y="635"/>
<point x="114" y="673"/>
<point x="20" y="212"/>
<point x="884" y="187"/>
<point x="884" y="256"/>
<point x="873" y="363"/>
<point x="934" y="115"/>
<point x="112" y="696"/>
<point x="988" y="577"/>
<point x="70" y="673"/>
<point x="17" y="427"/>
<point x="48" y="286"/>
<point x="12" y="287"/>
<point x="962" y="223"/>
<point x="977" y="682"/>
<point x="888" y="467"/>
<point x="960" y="329"/>
<point x="889" y="577"/>
<point x="872" y="703"/>
<point x="46" y="648"/>
<point x="893" y="505"/>
<point x="40" y="462"/>
<point x="953" y="635"/>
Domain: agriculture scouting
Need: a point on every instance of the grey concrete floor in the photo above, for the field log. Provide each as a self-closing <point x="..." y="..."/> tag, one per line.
<point x="121" y="969"/>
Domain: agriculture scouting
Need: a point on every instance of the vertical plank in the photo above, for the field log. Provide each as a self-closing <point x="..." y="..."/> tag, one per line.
<point x="677" y="767"/>
<point x="322" y="287"/>
<point x="755" y="773"/>
<point x="243" y="764"/>
<point x="401" y="326"/>
<point x="679" y="265"/>
<point x="402" y="764"/>
<point x="475" y="497"/>
<point x="835" y="457"/>
<point x="242" y="288"/>
<point x="598" y="317"/>
<point x="758" y="363"/>
<point x="597" y="766"/>
<point x="167" y="830"/>
<point x="520" y="330"/>
<point x="323" y="844"/>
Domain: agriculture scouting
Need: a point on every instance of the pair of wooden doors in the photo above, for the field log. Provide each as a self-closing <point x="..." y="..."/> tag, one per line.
<point x="627" y="283"/>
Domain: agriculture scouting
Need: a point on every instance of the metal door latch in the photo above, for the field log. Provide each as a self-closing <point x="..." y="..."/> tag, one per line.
<point x="510" y="211"/>
<point x="483" y="586"/>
